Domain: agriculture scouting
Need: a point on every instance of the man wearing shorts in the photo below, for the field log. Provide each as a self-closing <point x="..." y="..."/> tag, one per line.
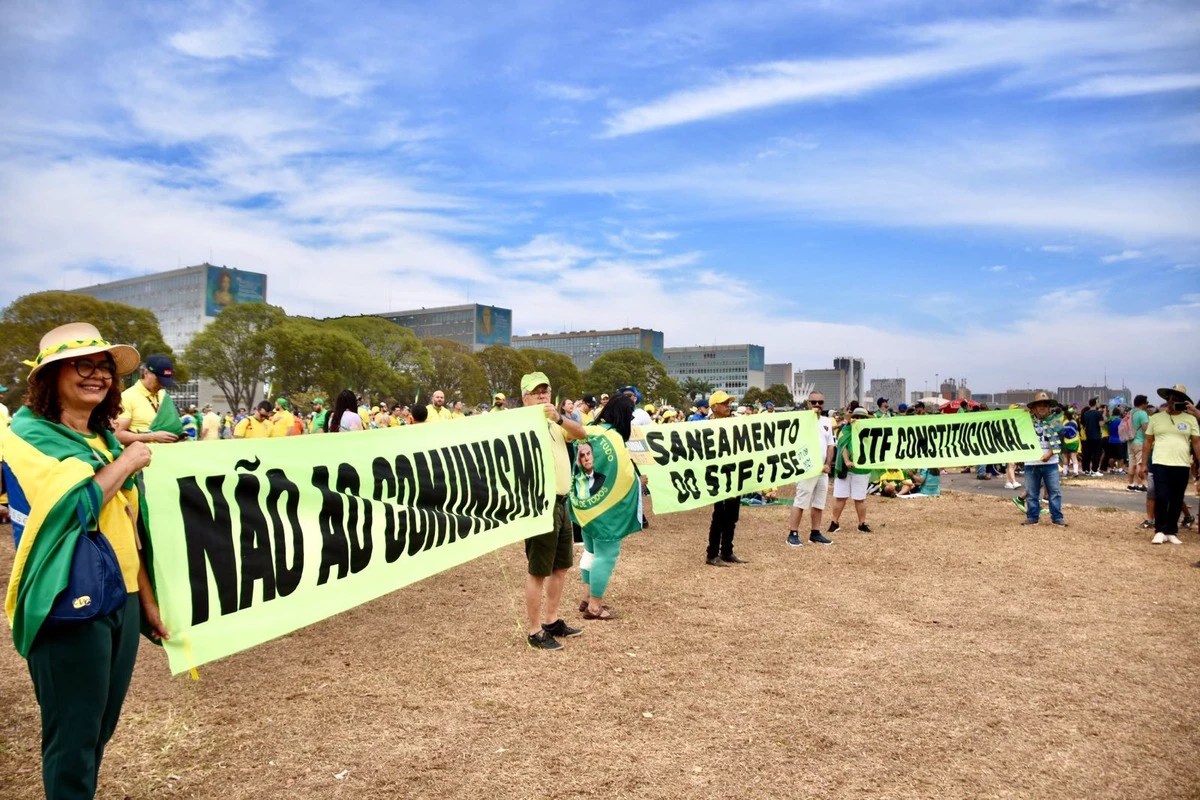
<point x="550" y="554"/>
<point x="850" y="481"/>
<point x="812" y="492"/>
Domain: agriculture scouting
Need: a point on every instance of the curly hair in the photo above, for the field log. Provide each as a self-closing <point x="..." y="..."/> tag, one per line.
<point x="42" y="398"/>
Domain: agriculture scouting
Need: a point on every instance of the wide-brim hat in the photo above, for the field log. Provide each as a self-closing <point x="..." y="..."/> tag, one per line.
<point x="1167" y="392"/>
<point x="1040" y="397"/>
<point x="81" y="339"/>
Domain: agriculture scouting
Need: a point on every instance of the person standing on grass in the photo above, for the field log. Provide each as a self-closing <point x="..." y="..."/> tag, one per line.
<point x="1093" y="438"/>
<point x="812" y="493"/>
<point x="850" y="481"/>
<point x="1139" y="420"/>
<point x="1172" y="439"/>
<point x="1044" y="471"/>
<point x="550" y="554"/>
<point x="723" y="524"/>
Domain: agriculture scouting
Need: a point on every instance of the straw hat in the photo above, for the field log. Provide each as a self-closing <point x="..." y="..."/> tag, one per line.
<point x="1040" y="397"/>
<point x="81" y="339"/>
<point x="1178" y="389"/>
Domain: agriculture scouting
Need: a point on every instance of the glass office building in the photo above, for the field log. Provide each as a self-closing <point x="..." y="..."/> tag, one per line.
<point x="733" y="368"/>
<point x="184" y="301"/>
<point x="584" y="347"/>
<point x="474" y="325"/>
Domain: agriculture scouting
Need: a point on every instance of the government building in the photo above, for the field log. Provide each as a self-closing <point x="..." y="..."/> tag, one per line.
<point x="584" y="347"/>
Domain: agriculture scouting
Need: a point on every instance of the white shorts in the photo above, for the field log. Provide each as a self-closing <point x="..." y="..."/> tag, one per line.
<point x="853" y="486"/>
<point x="812" y="493"/>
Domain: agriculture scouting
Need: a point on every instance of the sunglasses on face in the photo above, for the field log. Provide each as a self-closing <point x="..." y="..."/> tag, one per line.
<point x="86" y="368"/>
<point x="817" y="402"/>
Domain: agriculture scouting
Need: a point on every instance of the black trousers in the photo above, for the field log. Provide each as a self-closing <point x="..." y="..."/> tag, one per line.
<point x="1170" y="486"/>
<point x="724" y="522"/>
<point x="1093" y="449"/>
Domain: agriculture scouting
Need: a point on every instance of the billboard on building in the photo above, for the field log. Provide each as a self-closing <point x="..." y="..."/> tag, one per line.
<point x="225" y="286"/>
<point x="493" y="325"/>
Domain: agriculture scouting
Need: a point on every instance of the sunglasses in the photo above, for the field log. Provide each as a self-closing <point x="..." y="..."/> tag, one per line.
<point x="86" y="368"/>
<point x="817" y="402"/>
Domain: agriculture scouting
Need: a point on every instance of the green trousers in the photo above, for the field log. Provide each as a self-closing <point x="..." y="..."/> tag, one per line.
<point x="80" y="676"/>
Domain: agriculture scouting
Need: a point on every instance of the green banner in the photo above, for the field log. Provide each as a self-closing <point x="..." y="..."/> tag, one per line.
<point x="693" y="464"/>
<point x="945" y="440"/>
<point x="255" y="538"/>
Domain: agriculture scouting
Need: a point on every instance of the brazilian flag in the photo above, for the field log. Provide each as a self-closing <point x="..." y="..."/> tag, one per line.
<point x="607" y="499"/>
<point x="167" y="419"/>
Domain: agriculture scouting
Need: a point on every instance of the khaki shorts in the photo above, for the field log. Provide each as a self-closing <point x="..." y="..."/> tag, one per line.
<point x="1135" y="454"/>
<point x="812" y="493"/>
<point x="554" y="550"/>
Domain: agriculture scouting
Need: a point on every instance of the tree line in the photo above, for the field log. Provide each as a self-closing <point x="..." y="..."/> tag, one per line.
<point x="250" y="345"/>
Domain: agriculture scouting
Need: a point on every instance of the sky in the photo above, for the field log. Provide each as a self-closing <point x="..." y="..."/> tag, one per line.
<point x="1003" y="192"/>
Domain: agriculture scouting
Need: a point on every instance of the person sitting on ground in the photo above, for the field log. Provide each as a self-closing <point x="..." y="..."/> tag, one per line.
<point x="922" y="483"/>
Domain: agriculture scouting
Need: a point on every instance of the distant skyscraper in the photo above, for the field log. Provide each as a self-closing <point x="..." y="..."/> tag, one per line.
<point x="185" y="301"/>
<point x="780" y="374"/>
<point x="894" y="389"/>
<point x="855" y="382"/>
<point x="471" y="324"/>
<point x="733" y="368"/>
<point x="584" y="347"/>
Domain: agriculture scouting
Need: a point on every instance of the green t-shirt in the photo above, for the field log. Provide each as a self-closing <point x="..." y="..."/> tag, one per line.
<point x="1139" y="420"/>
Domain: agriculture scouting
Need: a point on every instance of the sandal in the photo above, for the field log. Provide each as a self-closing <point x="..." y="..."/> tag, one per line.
<point x="605" y="613"/>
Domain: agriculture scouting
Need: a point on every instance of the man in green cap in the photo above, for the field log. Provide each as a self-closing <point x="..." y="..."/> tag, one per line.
<point x="283" y="421"/>
<point x="317" y="423"/>
<point x="550" y="554"/>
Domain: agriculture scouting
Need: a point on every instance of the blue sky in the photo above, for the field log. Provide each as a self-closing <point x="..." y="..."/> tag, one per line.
<point x="1008" y="192"/>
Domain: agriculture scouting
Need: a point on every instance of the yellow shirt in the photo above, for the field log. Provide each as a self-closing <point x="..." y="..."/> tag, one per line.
<point x="117" y="525"/>
<point x="282" y="423"/>
<point x="210" y="428"/>
<point x="1172" y="438"/>
<point x="438" y="414"/>
<point x="139" y="405"/>
<point x="562" y="459"/>
<point x="252" y="428"/>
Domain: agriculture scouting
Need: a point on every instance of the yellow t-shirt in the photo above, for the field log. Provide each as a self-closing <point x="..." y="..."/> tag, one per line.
<point x="1172" y="438"/>
<point x="437" y="414"/>
<point x="117" y="525"/>
<point x="139" y="405"/>
<point x="252" y="428"/>
<point x="282" y="423"/>
<point x="562" y="459"/>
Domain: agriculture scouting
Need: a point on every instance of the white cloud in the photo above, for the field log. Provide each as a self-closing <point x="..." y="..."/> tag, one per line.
<point x="1058" y="248"/>
<point x="1129" y="85"/>
<point x="995" y="268"/>
<point x="567" y="91"/>
<point x="544" y="253"/>
<point x="1124" y="255"/>
<point x="235" y="34"/>
<point x="322" y="78"/>
<point x="935" y="51"/>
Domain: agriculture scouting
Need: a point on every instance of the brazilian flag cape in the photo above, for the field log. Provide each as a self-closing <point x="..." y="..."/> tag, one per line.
<point x="167" y="419"/>
<point x="610" y="510"/>
<point x="56" y="468"/>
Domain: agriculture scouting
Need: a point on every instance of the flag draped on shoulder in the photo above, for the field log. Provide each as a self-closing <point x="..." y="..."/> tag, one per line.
<point x="55" y="467"/>
<point x="608" y="499"/>
<point x="167" y="419"/>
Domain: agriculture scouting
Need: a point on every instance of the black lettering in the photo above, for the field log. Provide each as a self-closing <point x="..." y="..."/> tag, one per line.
<point x="208" y="535"/>
<point x="287" y="576"/>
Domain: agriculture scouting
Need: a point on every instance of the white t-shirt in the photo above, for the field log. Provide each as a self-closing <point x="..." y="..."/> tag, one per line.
<point x="350" y="421"/>
<point x="640" y="417"/>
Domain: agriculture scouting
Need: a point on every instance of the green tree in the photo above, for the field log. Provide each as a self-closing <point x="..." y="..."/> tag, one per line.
<point x="308" y="355"/>
<point x="398" y="347"/>
<point x="455" y="371"/>
<point x="28" y="318"/>
<point x="780" y="395"/>
<point x="696" y="388"/>
<point x="503" y="367"/>
<point x="565" y="378"/>
<point x="235" y="352"/>
<point x="638" y="368"/>
<point x="753" y="396"/>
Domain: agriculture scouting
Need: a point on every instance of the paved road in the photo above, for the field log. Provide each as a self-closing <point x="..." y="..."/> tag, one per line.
<point x="1108" y="491"/>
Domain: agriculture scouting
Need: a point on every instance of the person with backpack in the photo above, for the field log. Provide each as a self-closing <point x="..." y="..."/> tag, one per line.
<point x="1139" y="419"/>
<point x="1114" y="445"/>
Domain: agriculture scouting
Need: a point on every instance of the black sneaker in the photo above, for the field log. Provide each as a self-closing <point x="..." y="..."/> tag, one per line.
<point x="816" y="538"/>
<point x="544" y="641"/>
<point x="715" y="562"/>
<point x="561" y="629"/>
<point x="864" y="528"/>
<point x="733" y="559"/>
<point x="833" y="528"/>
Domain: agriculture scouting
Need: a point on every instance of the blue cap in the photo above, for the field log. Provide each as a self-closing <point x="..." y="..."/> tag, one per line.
<point x="636" y="394"/>
<point x="162" y="367"/>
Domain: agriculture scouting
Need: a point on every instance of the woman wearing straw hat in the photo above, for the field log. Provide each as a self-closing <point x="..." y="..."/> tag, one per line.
<point x="75" y="478"/>
<point x="1172" y="438"/>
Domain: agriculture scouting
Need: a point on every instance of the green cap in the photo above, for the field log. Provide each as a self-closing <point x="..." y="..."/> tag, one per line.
<point x="532" y="381"/>
<point x="318" y="401"/>
<point x="282" y="402"/>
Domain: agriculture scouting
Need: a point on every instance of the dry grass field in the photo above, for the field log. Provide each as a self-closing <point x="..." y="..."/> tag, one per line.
<point x="951" y="653"/>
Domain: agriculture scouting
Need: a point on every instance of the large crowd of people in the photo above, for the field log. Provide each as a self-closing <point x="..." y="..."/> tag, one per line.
<point x="73" y="454"/>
